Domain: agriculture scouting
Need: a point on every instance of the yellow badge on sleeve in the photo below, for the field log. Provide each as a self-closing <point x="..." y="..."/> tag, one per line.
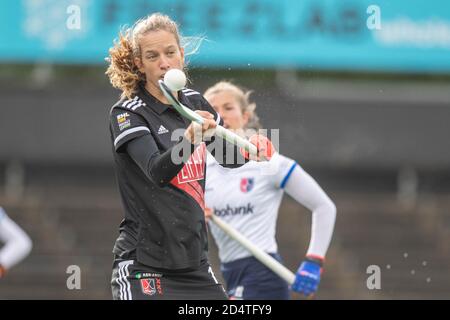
<point x="123" y="121"/>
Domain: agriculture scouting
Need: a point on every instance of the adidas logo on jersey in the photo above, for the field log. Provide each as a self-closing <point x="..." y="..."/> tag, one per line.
<point x="234" y="211"/>
<point x="162" y="130"/>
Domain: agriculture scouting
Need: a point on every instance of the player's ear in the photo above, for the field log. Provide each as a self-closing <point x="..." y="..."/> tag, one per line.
<point x="182" y="55"/>
<point x="139" y="64"/>
<point x="245" y="118"/>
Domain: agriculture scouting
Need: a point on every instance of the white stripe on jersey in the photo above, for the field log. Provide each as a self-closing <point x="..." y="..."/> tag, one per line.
<point x="136" y="104"/>
<point x="126" y="103"/>
<point x="192" y="93"/>
<point x="129" y="131"/>
<point x="128" y="282"/>
<point x="122" y="280"/>
<point x="120" y="283"/>
<point x="133" y="104"/>
<point x="189" y="92"/>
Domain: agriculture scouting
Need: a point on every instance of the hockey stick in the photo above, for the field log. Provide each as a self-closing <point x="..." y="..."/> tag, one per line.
<point x="259" y="254"/>
<point x="192" y="116"/>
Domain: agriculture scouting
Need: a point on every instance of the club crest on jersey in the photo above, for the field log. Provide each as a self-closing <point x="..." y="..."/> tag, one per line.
<point x="123" y="121"/>
<point x="247" y="184"/>
<point x="150" y="286"/>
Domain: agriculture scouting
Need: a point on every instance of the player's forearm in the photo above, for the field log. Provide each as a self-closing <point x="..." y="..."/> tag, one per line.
<point x="160" y="168"/>
<point x="323" y="219"/>
<point x="163" y="168"/>
<point x="305" y="190"/>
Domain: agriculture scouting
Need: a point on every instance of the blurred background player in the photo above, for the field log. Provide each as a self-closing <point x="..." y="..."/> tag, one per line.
<point x="17" y="244"/>
<point x="249" y="202"/>
<point x="161" y="252"/>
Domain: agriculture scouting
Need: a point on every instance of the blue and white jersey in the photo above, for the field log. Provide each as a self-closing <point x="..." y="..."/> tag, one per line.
<point x="247" y="198"/>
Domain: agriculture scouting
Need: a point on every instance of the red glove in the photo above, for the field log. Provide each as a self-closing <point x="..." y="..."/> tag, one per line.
<point x="264" y="146"/>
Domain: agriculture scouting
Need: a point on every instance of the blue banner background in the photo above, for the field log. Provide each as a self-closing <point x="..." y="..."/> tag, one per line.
<point x="316" y="34"/>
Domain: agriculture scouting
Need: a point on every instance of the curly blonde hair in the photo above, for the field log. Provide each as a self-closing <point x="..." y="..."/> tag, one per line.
<point x="122" y="71"/>
<point x="243" y="99"/>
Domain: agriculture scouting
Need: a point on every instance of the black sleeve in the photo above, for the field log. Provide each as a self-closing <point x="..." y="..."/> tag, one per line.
<point x="125" y="126"/>
<point x="226" y="154"/>
<point x="159" y="167"/>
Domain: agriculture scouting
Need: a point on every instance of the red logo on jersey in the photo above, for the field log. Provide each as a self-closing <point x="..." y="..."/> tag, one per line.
<point x="158" y="286"/>
<point x="247" y="184"/>
<point x="193" y="170"/>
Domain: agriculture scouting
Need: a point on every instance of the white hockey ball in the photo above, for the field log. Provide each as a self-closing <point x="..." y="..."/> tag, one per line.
<point x="175" y="79"/>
